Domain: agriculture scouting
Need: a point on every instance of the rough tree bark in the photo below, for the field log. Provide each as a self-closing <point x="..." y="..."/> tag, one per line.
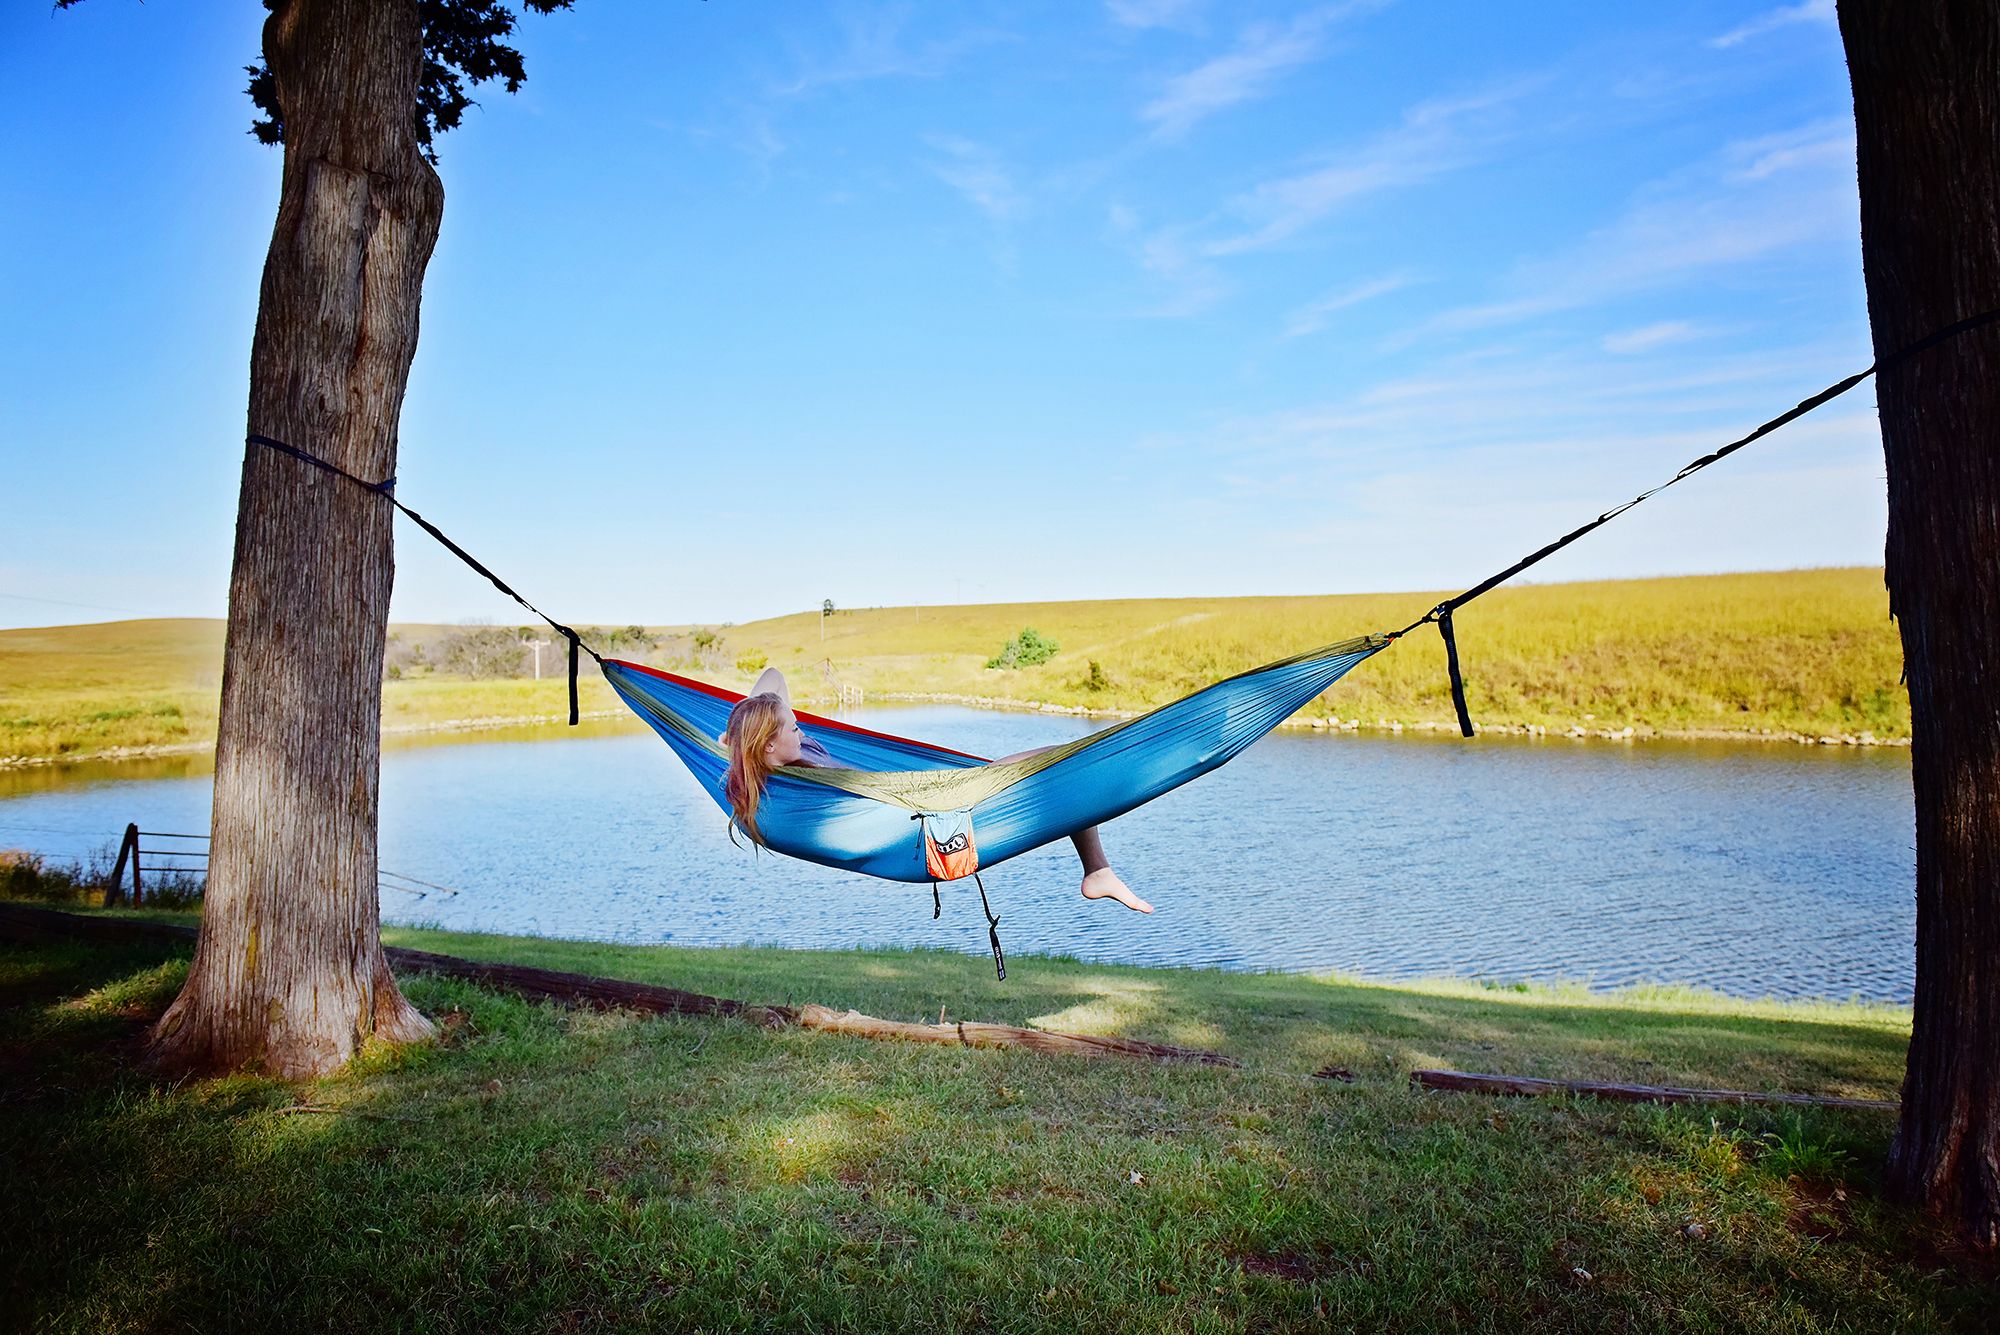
<point x="289" y="976"/>
<point x="1926" y="78"/>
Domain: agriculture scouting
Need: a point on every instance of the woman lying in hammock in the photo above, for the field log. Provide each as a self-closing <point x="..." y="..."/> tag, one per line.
<point x="763" y="734"/>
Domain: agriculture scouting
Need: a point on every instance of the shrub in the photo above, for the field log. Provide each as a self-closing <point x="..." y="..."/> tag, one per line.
<point x="1096" y="680"/>
<point x="752" y="662"/>
<point x="25" y="875"/>
<point x="174" y="889"/>
<point x="1025" y="650"/>
<point x="483" y="652"/>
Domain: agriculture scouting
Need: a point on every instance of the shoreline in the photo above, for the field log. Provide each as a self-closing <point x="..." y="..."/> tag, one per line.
<point x="163" y="750"/>
<point x="1330" y="723"/>
<point x="1000" y="704"/>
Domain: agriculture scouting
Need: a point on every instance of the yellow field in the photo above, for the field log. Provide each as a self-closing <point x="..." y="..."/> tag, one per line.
<point x="1809" y="652"/>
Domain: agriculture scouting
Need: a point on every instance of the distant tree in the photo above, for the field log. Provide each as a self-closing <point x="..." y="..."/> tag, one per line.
<point x="1926" y="77"/>
<point x="289" y="976"/>
<point x="484" y="652"/>
<point x="1025" y="650"/>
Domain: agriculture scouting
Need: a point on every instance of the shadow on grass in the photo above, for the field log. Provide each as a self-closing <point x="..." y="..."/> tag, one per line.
<point x="539" y="1168"/>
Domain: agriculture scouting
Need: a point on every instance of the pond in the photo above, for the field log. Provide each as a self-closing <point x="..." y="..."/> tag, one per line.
<point x="1749" y="868"/>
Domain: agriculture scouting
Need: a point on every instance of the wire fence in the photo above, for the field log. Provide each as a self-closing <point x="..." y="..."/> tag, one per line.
<point x="178" y="861"/>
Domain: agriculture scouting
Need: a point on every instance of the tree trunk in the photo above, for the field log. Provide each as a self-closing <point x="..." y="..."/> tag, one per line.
<point x="1926" y="79"/>
<point x="289" y="976"/>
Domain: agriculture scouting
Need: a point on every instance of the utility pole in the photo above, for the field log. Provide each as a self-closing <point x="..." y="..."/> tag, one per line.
<point x="538" y="646"/>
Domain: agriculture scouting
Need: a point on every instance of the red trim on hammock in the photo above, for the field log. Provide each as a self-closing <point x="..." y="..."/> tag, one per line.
<point x="818" y="720"/>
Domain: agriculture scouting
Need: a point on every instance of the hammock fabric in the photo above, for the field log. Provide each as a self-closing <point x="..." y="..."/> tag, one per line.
<point x="900" y="812"/>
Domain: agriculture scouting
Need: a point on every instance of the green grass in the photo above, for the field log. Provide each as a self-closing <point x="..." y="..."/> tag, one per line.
<point x="1808" y="652"/>
<point x="539" y="1169"/>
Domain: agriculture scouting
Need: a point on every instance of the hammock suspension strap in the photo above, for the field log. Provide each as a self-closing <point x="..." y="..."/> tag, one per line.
<point x="992" y="929"/>
<point x="387" y="490"/>
<point x="1441" y="614"/>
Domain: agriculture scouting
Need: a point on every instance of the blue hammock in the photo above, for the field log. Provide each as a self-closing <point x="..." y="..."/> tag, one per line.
<point x="900" y="812"/>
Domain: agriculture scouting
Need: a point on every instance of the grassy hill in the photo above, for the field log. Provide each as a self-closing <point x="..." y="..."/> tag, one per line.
<point x="1809" y="652"/>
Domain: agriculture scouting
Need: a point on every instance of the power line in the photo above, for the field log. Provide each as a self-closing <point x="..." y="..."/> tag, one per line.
<point x="65" y="602"/>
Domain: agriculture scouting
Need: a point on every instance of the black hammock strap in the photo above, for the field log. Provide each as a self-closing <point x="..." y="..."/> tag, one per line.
<point x="387" y="490"/>
<point x="992" y="923"/>
<point x="992" y="929"/>
<point x="1442" y="612"/>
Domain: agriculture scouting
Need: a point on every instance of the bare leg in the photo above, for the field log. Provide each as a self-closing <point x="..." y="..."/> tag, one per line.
<point x="1099" y="881"/>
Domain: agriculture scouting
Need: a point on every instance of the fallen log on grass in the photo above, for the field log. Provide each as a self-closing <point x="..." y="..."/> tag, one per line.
<point x="581" y="989"/>
<point x="1472" y="1083"/>
<point x="978" y="1034"/>
<point x="21" y="923"/>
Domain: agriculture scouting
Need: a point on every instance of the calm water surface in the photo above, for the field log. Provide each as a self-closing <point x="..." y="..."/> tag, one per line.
<point x="1752" y="869"/>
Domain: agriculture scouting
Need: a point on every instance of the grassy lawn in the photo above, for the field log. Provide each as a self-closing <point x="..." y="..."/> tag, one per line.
<point x="1810" y="652"/>
<point x="541" y="1169"/>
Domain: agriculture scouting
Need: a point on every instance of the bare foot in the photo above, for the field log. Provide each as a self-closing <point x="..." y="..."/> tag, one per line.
<point x="1104" y="884"/>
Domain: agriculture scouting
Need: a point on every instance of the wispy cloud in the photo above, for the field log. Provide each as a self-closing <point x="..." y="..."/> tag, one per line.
<point x="1647" y="337"/>
<point x="1261" y="57"/>
<point x="875" y="44"/>
<point x="1186" y="257"/>
<point x="1811" y="11"/>
<point x="1154" y="13"/>
<point x="1828" y="144"/>
<point x="1758" y="199"/>
<point x="976" y="173"/>
<point x="1505" y="399"/>
<point x="1435" y="474"/>
<point x="1187" y="284"/>
<point x="1313" y="317"/>
<point x="1435" y="137"/>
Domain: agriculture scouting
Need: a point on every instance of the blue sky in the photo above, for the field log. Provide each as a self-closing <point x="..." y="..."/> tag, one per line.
<point x="738" y="306"/>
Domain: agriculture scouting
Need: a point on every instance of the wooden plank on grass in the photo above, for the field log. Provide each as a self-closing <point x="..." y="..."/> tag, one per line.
<point x="979" y="1034"/>
<point x="1469" y="1082"/>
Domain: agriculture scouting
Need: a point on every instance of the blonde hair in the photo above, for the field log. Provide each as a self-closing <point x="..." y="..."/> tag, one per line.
<point x="755" y="721"/>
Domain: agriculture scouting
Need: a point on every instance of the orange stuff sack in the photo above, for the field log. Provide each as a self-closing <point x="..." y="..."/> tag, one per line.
<point x="949" y="850"/>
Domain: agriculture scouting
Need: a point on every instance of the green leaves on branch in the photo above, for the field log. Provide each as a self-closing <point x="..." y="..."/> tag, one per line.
<point x="1025" y="650"/>
<point x="461" y="44"/>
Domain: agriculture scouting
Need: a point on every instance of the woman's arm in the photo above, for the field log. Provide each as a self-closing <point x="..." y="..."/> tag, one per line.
<point x="772" y="682"/>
